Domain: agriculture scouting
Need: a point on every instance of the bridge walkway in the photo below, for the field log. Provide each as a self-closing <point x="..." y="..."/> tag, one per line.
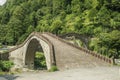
<point x="71" y="56"/>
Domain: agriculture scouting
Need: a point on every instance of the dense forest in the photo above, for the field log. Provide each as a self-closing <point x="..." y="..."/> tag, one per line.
<point x="99" y="19"/>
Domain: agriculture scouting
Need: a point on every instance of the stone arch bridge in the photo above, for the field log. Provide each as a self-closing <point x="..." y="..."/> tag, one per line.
<point x="57" y="52"/>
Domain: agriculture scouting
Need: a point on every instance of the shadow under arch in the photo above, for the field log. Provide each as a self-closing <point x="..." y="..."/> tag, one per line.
<point x="37" y="44"/>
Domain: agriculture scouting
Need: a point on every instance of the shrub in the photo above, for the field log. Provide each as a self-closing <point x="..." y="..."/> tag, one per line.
<point x="5" y="65"/>
<point x="40" y="62"/>
<point x="1" y="45"/>
<point x="53" y="68"/>
<point x="0" y="69"/>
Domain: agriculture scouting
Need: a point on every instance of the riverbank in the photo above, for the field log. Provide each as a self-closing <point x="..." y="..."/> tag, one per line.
<point x="96" y="73"/>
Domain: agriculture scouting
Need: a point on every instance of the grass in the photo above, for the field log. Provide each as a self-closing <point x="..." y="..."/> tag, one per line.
<point x="53" y="69"/>
<point x="6" y="73"/>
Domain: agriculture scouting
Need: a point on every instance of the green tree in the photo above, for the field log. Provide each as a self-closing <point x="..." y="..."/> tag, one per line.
<point x="56" y="26"/>
<point x="103" y="17"/>
<point x="5" y="16"/>
<point x="19" y="13"/>
<point x="15" y="29"/>
<point x="111" y="41"/>
<point x="75" y="6"/>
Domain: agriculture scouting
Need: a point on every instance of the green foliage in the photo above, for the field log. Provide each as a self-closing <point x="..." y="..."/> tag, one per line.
<point x="0" y="45"/>
<point x="40" y="62"/>
<point x="5" y="65"/>
<point x="111" y="41"/>
<point x="115" y="5"/>
<point x="56" y="26"/>
<point x="96" y="18"/>
<point x="53" y="69"/>
<point x="75" y="6"/>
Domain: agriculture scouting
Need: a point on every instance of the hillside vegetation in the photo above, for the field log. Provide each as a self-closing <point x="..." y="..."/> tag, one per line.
<point x="99" y="19"/>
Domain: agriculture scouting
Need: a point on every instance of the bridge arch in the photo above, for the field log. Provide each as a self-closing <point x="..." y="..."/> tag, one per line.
<point x="23" y="55"/>
<point x="32" y="46"/>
